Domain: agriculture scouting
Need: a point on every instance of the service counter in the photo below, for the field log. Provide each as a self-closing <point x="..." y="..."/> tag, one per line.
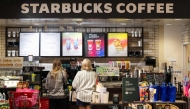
<point x="112" y="89"/>
<point x="116" y="88"/>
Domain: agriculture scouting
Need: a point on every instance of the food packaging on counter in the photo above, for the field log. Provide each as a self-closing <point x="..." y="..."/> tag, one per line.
<point x="105" y="97"/>
<point x="143" y="93"/>
<point x="99" y="86"/>
<point x="102" y="90"/>
<point x="97" y="97"/>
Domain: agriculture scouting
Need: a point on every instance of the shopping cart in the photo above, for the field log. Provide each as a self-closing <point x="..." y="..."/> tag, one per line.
<point x="44" y="103"/>
<point x="24" y="100"/>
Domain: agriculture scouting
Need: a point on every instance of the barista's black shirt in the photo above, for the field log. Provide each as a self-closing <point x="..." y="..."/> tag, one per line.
<point x="72" y="72"/>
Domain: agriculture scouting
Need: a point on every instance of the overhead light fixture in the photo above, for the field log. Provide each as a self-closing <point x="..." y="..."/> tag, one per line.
<point x="6" y="79"/>
<point x="30" y="29"/>
<point x="185" y="43"/>
<point x="168" y="24"/>
<point x="79" y="22"/>
<point x="46" y="28"/>
<point x="122" y="23"/>
<point x="69" y="27"/>
<point x="127" y="19"/>
<point x="61" y="28"/>
<point x="177" y="19"/>
<point x="36" y="24"/>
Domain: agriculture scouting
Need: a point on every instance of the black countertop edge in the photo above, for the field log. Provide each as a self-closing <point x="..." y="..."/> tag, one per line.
<point x="109" y="103"/>
<point x="158" y="102"/>
<point x="8" y="88"/>
<point x="126" y="102"/>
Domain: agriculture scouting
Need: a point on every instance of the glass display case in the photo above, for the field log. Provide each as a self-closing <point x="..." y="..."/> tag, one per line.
<point x="10" y="78"/>
<point x="10" y="74"/>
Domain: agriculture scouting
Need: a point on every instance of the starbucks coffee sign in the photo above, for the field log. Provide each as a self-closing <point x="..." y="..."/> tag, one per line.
<point x="138" y="9"/>
<point x="97" y="8"/>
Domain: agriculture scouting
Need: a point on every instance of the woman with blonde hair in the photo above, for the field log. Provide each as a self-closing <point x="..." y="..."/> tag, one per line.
<point x="55" y="82"/>
<point x="84" y="84"/>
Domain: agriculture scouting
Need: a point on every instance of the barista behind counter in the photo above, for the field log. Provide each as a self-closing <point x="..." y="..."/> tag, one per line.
<point x="72" y="70"/>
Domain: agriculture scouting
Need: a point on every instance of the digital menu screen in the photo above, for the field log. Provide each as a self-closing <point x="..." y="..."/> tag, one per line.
<point x="72" y="44"/>
<point x="94" y="44"/>
<point x="29" y="44"/>
<point x="117" y="44"/>
<point x="50" y="44"/>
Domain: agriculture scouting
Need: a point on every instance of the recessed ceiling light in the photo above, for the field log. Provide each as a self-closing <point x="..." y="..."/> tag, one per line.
<point x="177" y="19"/>
<point x="122" y="23"/>
<point x="168" y="24"/>
<point x="36" y="24"/>
<point x="45" y="28"/>
<point x="79" y="22"/>
<point x="61" y="28"/>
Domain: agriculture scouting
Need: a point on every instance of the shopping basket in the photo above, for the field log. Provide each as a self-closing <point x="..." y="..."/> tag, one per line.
<point x="24" y="100"/>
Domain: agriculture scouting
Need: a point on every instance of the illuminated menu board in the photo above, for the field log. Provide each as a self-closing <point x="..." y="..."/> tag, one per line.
<point x="29" y="44"/>
<point x="117" y="44"/>
<point x="50" y="44"/>
<point x="94" y="44"/>
<point x="72" y="44"/>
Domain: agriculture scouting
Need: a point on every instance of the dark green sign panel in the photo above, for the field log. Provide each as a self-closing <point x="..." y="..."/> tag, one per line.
<point x="130" y="89"/>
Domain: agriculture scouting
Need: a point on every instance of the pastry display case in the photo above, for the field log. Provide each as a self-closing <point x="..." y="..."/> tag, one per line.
<point x="9" y="79"/>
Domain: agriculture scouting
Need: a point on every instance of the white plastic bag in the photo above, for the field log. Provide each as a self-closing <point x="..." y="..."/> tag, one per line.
<point x="99" y="86"/>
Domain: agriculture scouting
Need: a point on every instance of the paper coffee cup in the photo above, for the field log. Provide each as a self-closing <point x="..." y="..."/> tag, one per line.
<point x="132" y="32"/>
<point x="16" y="53"/>
<point x="17" y="34"/>
<point x="139" y="43"/>
<point x="13" y="52"/>
<point x="139" y="33"/>
<point x="9" y="34"/>
<point x="8" y="53"/>
<point x="136" y="34"/>
<point x="14" y="34"/>
<point x="33" y="76"/>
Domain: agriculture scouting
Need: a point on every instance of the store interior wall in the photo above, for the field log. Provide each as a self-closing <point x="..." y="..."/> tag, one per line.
<point x="2" y="41"/>
<point x="161" y="48"/>
<point x="188" y="59"/>
<point x="186" y="49"/>
<point x="172" y="45"/>
<point x="151" y="39"/>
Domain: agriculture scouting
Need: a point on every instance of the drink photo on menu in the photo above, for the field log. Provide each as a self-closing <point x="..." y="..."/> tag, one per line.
<point x="72" y="44"/>
<point x="117" y="44"/>
<point x="94" y="44"/>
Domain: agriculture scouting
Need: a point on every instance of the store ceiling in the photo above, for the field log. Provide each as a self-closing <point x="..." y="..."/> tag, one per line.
<point x="92" y="22"/>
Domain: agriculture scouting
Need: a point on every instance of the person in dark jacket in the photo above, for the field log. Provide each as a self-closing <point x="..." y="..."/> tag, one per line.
<point x="72" y="70"/>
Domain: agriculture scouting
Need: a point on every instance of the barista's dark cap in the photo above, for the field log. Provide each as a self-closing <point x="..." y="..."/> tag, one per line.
<point x="73" y="59"/>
